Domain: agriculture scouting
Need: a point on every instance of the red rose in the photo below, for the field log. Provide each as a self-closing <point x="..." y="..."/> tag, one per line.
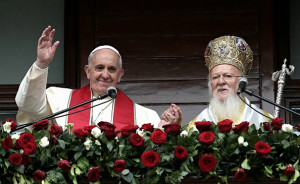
<point x="181" y="153"/>
<point x="41" y="125"/>
<point x="289" y="170"/>
<point x="110" y="134"/>
<point x="13" y="125"/>
<point x="147" y="127"/>
<point x="26" y="160"/>
<point x="267" y="126"/>
<point x="207" y="162"/>
<point x="81" y="133"/>
<point x="7" y="143"/>
<point x="15" y="159"/>
<point x="64" y="165"/>
<point x="53" y="140"/>
<point x="150" y="158"/>
<point x="242" y="127"/>
<point x="94" y="174"/>
<point x="29" y="148"/>
<point x="203" y="125"/>
<point x="158" y="137"/>
<point x="225" y="125"/>
<point x="298" y="127"/>
<point x="240" y="176"/>
<point x="39" y="175"/>
<point x="89" y="128"/>
<point x="106" y="126"/>
<point x="24" y="139"/>
<point x="207" y="137"/>
<point x="136" y="140"/>
<point x="172" y="129"/>
<point x="277" y="123"/>
<point x="56" y="130"/>
<point x="119" y="166"/>
<point x="262" y="148"/>
<point x="127" y="130"/>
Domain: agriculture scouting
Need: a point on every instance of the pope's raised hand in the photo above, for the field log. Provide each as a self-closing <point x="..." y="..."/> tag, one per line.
<point x="45" y="49"/>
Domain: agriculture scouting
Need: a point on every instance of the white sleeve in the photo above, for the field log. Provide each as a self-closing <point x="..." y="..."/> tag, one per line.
<point x="31" y="95"/>
<point x="146" y="115"/>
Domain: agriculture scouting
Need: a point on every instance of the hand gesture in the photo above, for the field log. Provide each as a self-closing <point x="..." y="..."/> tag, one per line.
<point x="45" y="49"/>
<point x="172" y="115"/>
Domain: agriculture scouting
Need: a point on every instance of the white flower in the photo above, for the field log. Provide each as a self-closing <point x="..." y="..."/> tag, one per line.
<point x="96" y="132"/>
<point x="87" y="144"/>
<point x="287" y="128"/>
<point x="15" y="136"/>
<point x="141" y="133"/>
<point x="7" y="126"/>
<point x="184" y="133"/>
<point x="44" y="142"/>
<point x="97" y="143"/>
<point x="241" y="140"/>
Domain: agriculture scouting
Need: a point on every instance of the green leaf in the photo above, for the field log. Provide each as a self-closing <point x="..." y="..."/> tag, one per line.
<point x="245" y="164"/>
<point x="78" y="171"/>
<point x="77" y="155"/>
<point x="159" y="171"/>
<point x="72" y="171"/>
<point x="109" y="146"/>
<point x="295" y="177"/>
<point x="183" y="173"/>
<point x="134" y="181"/>
<point x="283" y="177"/>
<point x="184" y="165"/>
<point x="166" y="157"/>
<point x="2" y="152"/>
<point x="269" y="170"/>
<point x="137" y="160"/>
<point x="20" y="169"/>
<point x="7" y="163"/>
<point x="109" y="164"/>
<point x="55" y="177"/>
<point x="79" y="148"/>
<point x="125" y="171"/>
<point x="83" y="163"/>
<point x="128" y="177"/>
<point x="62" y="144"/>
<point x="285" y="143"/>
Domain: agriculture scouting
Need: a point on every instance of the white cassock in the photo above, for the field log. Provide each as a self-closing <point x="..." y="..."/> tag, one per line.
<point x="247" y="114"/>
<point x="35" y="101"/>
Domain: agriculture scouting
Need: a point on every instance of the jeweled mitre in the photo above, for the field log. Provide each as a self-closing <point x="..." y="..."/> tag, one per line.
<point x="230" y="50"/>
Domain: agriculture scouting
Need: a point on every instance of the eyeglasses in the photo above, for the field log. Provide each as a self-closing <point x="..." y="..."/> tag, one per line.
<point x="226" y="77"/>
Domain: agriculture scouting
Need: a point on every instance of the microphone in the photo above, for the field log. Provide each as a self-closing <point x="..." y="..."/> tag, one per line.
<point x="242" y="85"/>
<point x="112" y="92"/>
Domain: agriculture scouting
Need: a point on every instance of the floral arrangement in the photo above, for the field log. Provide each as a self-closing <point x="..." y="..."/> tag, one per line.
<point x="145" y="155"/>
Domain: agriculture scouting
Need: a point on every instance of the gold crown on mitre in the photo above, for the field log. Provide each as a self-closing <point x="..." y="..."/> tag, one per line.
<point x="229" y="50"/>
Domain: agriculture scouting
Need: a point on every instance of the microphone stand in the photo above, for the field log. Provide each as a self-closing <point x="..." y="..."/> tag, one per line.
<point x="266" y="100"/>
<point x="51" y="116"/>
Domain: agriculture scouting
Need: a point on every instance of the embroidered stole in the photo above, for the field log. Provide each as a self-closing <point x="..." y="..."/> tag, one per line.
<point x="123" y="109"/>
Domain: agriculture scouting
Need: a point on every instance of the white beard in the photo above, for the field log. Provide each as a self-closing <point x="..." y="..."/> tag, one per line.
<point x="228" y="109"/>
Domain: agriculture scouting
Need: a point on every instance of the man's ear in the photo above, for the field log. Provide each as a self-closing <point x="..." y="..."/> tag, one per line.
<point x="121" y="75"/>
<point x="87" y="71"/>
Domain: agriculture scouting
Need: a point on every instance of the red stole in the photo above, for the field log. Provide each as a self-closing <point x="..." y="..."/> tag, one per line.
<point x="123" y="109"/>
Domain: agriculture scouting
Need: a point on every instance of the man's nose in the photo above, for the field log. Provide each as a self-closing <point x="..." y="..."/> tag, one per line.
<point x="105" y="74"/>
<point x="221" y="80"/>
